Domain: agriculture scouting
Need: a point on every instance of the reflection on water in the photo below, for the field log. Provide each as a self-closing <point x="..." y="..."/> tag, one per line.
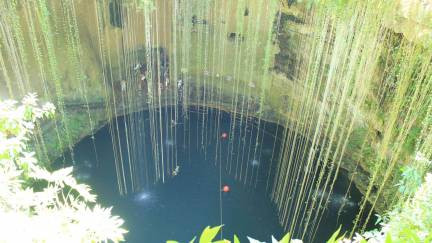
<point x="169" y="142"/>
<point x="83" y="170"/>
<point x="255" y="162"/>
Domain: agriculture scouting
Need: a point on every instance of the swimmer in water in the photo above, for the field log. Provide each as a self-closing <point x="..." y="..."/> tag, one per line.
<point x="176" y="171"/>
<point x="174" y="123"/>
<point x="123" y="85"/>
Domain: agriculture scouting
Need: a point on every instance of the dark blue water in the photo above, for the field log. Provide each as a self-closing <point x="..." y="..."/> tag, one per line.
<point x="184" y="205"/>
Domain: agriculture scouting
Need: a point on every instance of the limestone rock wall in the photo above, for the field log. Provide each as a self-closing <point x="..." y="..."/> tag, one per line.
<point x="91" y="81"/>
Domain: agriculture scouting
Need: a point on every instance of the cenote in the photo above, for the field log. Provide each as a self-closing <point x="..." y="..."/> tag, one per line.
<point x="257" y="118"/>
<point x="156" y="211"/>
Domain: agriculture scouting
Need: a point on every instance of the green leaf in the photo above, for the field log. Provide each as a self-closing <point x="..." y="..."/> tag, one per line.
<point x="334" y="236"/>
<point x="172" y="241"/>
<point x="388" y="239"/>
<point x="236" y="239"/>
<point x="286" y="238"/>
<point x="209" y="234"/>
<point x="410" y="235"/>
<point x="193" y="240"/>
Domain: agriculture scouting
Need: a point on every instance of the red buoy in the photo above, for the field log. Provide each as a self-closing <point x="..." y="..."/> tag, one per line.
<point x="224" y="135"/>
<point x="226" y="188"/>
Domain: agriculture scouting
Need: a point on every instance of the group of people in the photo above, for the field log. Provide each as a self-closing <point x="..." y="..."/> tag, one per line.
<point x="140" y="71"/>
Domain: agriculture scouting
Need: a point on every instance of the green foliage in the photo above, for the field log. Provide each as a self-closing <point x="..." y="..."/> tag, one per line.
<point x="410" y="181"/>
<point x="411" y="139"/>
<point x="338" y="5"/>
<point x="413" y="222"/>
<point x="39" y="205"/>
<point x="209" y="234"/>
<point x="388" y="239"/>
<point x="335" y="237"/>
<point x="357" y="138"/>
<point x="381" y="219"/>
<point x="286" y="238"/>
<point x="146" y="5"/>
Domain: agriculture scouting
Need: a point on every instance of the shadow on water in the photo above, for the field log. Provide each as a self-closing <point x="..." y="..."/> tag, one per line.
<point x="185" y="204"/>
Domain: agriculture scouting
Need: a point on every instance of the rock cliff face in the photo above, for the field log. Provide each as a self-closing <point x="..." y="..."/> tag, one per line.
<point x="89" y="85"/>
<point x="413" y="18"/>
<point x="408" y="22"/>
